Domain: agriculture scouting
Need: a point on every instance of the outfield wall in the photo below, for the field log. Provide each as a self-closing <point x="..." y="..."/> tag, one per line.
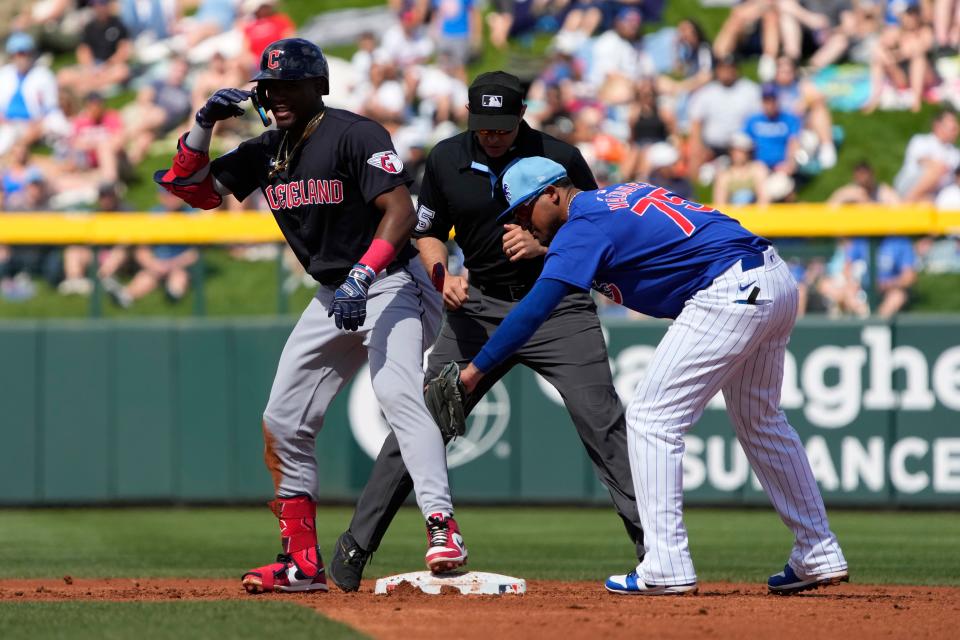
<point x="170" y="410"/>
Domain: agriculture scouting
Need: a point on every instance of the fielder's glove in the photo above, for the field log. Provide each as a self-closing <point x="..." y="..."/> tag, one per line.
<point x="445" y="397"/>
<point x="222" y="105"/>
<point x="349" y="308"/>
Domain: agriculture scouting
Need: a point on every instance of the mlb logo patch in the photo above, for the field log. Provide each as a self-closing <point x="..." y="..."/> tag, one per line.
<point x="492" y="101"/>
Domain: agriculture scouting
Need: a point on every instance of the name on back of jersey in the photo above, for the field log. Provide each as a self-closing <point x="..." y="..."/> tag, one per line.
<point x="290" y="195"/>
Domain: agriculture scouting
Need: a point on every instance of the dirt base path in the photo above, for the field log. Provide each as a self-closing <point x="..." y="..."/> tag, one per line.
<point x="570" y="610"/>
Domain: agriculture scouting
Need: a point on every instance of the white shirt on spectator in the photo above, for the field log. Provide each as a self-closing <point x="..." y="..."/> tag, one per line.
<point x="403" y="49"/>
<point x="921" y="148"/>
<point x="39" y="89"/>
<point x="611" y="53"/>
<point x="723" y="110"/>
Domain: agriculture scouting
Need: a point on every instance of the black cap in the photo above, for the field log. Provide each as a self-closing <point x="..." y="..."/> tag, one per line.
<point x="496" y="101"/>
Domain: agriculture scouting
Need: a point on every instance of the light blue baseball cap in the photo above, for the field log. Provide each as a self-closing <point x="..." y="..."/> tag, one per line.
<point x="20" y="42"/>
<point x="527" y="178"/>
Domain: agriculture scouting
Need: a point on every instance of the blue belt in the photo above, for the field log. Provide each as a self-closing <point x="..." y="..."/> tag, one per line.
<point x="752" y="261"/>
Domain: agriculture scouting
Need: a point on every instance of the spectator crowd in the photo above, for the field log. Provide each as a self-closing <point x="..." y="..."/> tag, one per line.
<point x="640" y="99"/>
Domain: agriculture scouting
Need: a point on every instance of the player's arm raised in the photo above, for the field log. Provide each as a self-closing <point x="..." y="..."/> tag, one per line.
<point x="189" y="178"/>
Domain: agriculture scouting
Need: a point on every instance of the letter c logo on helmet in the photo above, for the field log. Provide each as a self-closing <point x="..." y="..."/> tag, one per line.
<point x="272" y="56"/>
<point x="292" y="59"/>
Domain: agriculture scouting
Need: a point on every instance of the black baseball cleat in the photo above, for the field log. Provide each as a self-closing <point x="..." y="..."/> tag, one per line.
<point x="346" y="567"/>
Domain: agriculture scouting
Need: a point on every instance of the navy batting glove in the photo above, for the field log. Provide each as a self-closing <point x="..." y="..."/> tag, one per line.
<point x="349" y="308"/>
<point x="222" y="105"/>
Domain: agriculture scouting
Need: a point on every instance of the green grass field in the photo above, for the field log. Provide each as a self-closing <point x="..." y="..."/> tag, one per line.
<point x="536" y="543"/>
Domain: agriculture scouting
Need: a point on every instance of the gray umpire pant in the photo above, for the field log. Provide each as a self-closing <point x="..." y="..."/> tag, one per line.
<point x="570" y="353"/>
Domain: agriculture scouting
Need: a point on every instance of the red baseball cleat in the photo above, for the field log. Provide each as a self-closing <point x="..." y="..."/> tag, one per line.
<point x="299" y="567"/>
<point x="286" y="575"/>
<point x="446" y="551"/>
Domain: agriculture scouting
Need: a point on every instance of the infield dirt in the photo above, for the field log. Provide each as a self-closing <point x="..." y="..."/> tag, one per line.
<point x="568" y="610"/>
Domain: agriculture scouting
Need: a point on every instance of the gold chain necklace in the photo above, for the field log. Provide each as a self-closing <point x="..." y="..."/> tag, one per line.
<point x="570" y="202"/>
<point x="278" y="165"/>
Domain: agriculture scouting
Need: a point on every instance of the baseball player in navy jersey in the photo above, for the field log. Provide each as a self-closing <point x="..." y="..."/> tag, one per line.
<point x="339" y="194"/>
<point x="734" y="304"/>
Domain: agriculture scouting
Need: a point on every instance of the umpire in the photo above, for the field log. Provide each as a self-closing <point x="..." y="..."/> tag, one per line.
<point x="462" y="189"/>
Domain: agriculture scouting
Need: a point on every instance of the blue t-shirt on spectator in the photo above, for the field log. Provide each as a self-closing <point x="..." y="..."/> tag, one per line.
<point x="894" y="256"/>
<point x="771" y="135"/>
<point x="454" y="17"/>
<point x="17" y="107"/>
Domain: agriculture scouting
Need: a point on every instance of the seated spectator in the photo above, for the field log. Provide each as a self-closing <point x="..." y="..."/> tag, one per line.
<point x="846" y="273"/>
<point x="362" y="59"/>
<point x="440" y="93"/>
<point x="864" y="188"/>
<point x="802" y="98"/>
<point x="553" y="116"/>
<point x="615" y="56"/>
<point x="854" y="36"/>
<point x="103" y="56"/>
<point x="930" y="160"/>
<point x="18" y="264"/>
<point x="29" y="98"/>
<point x="744" y="181"/>
<point x="693" y="61"/>
<point x="19" y="169"/>
<point x="160" y="108"/>
<point x="563" y="71"/>
<point x="901" y="57"/>
<point x="168" y="265"/>
<point x="96" y="141"/>
<point x="220" y="72"/>
<point x="647" y="127"/>
<point x="407" y="42"/>
<point x="717" y="111"/>
<point x="896" y="275"/>
<point x="263" y="25"/>
<point x="385" y="101"/>
<point x="774" y="134"/>
<point x="77" y="259"/>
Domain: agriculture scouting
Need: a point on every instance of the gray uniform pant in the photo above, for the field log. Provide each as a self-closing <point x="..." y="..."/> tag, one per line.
<point x="569" y="352"/>
<point x="403" y="317"/>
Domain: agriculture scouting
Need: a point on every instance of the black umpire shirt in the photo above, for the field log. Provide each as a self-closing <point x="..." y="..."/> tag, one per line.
<point x="461" y="188"/>
<point x="323" y="201"/>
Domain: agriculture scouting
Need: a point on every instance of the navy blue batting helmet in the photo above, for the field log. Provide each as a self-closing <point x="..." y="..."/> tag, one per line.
<point x="292" y="59"/>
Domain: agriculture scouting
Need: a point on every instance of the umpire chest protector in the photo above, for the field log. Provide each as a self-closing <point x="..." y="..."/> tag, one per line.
<point x="323" y="199"/>
<point x="462" y="189"/>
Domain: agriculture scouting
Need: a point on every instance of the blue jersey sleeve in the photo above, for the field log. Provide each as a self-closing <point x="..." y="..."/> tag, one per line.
<point x="576" y="254"/>
<point x="521" y="323"/>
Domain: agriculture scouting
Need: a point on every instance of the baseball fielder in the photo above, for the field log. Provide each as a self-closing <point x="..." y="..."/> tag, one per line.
<point x="734" y="304"/>
<point x="339" y="194"/>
